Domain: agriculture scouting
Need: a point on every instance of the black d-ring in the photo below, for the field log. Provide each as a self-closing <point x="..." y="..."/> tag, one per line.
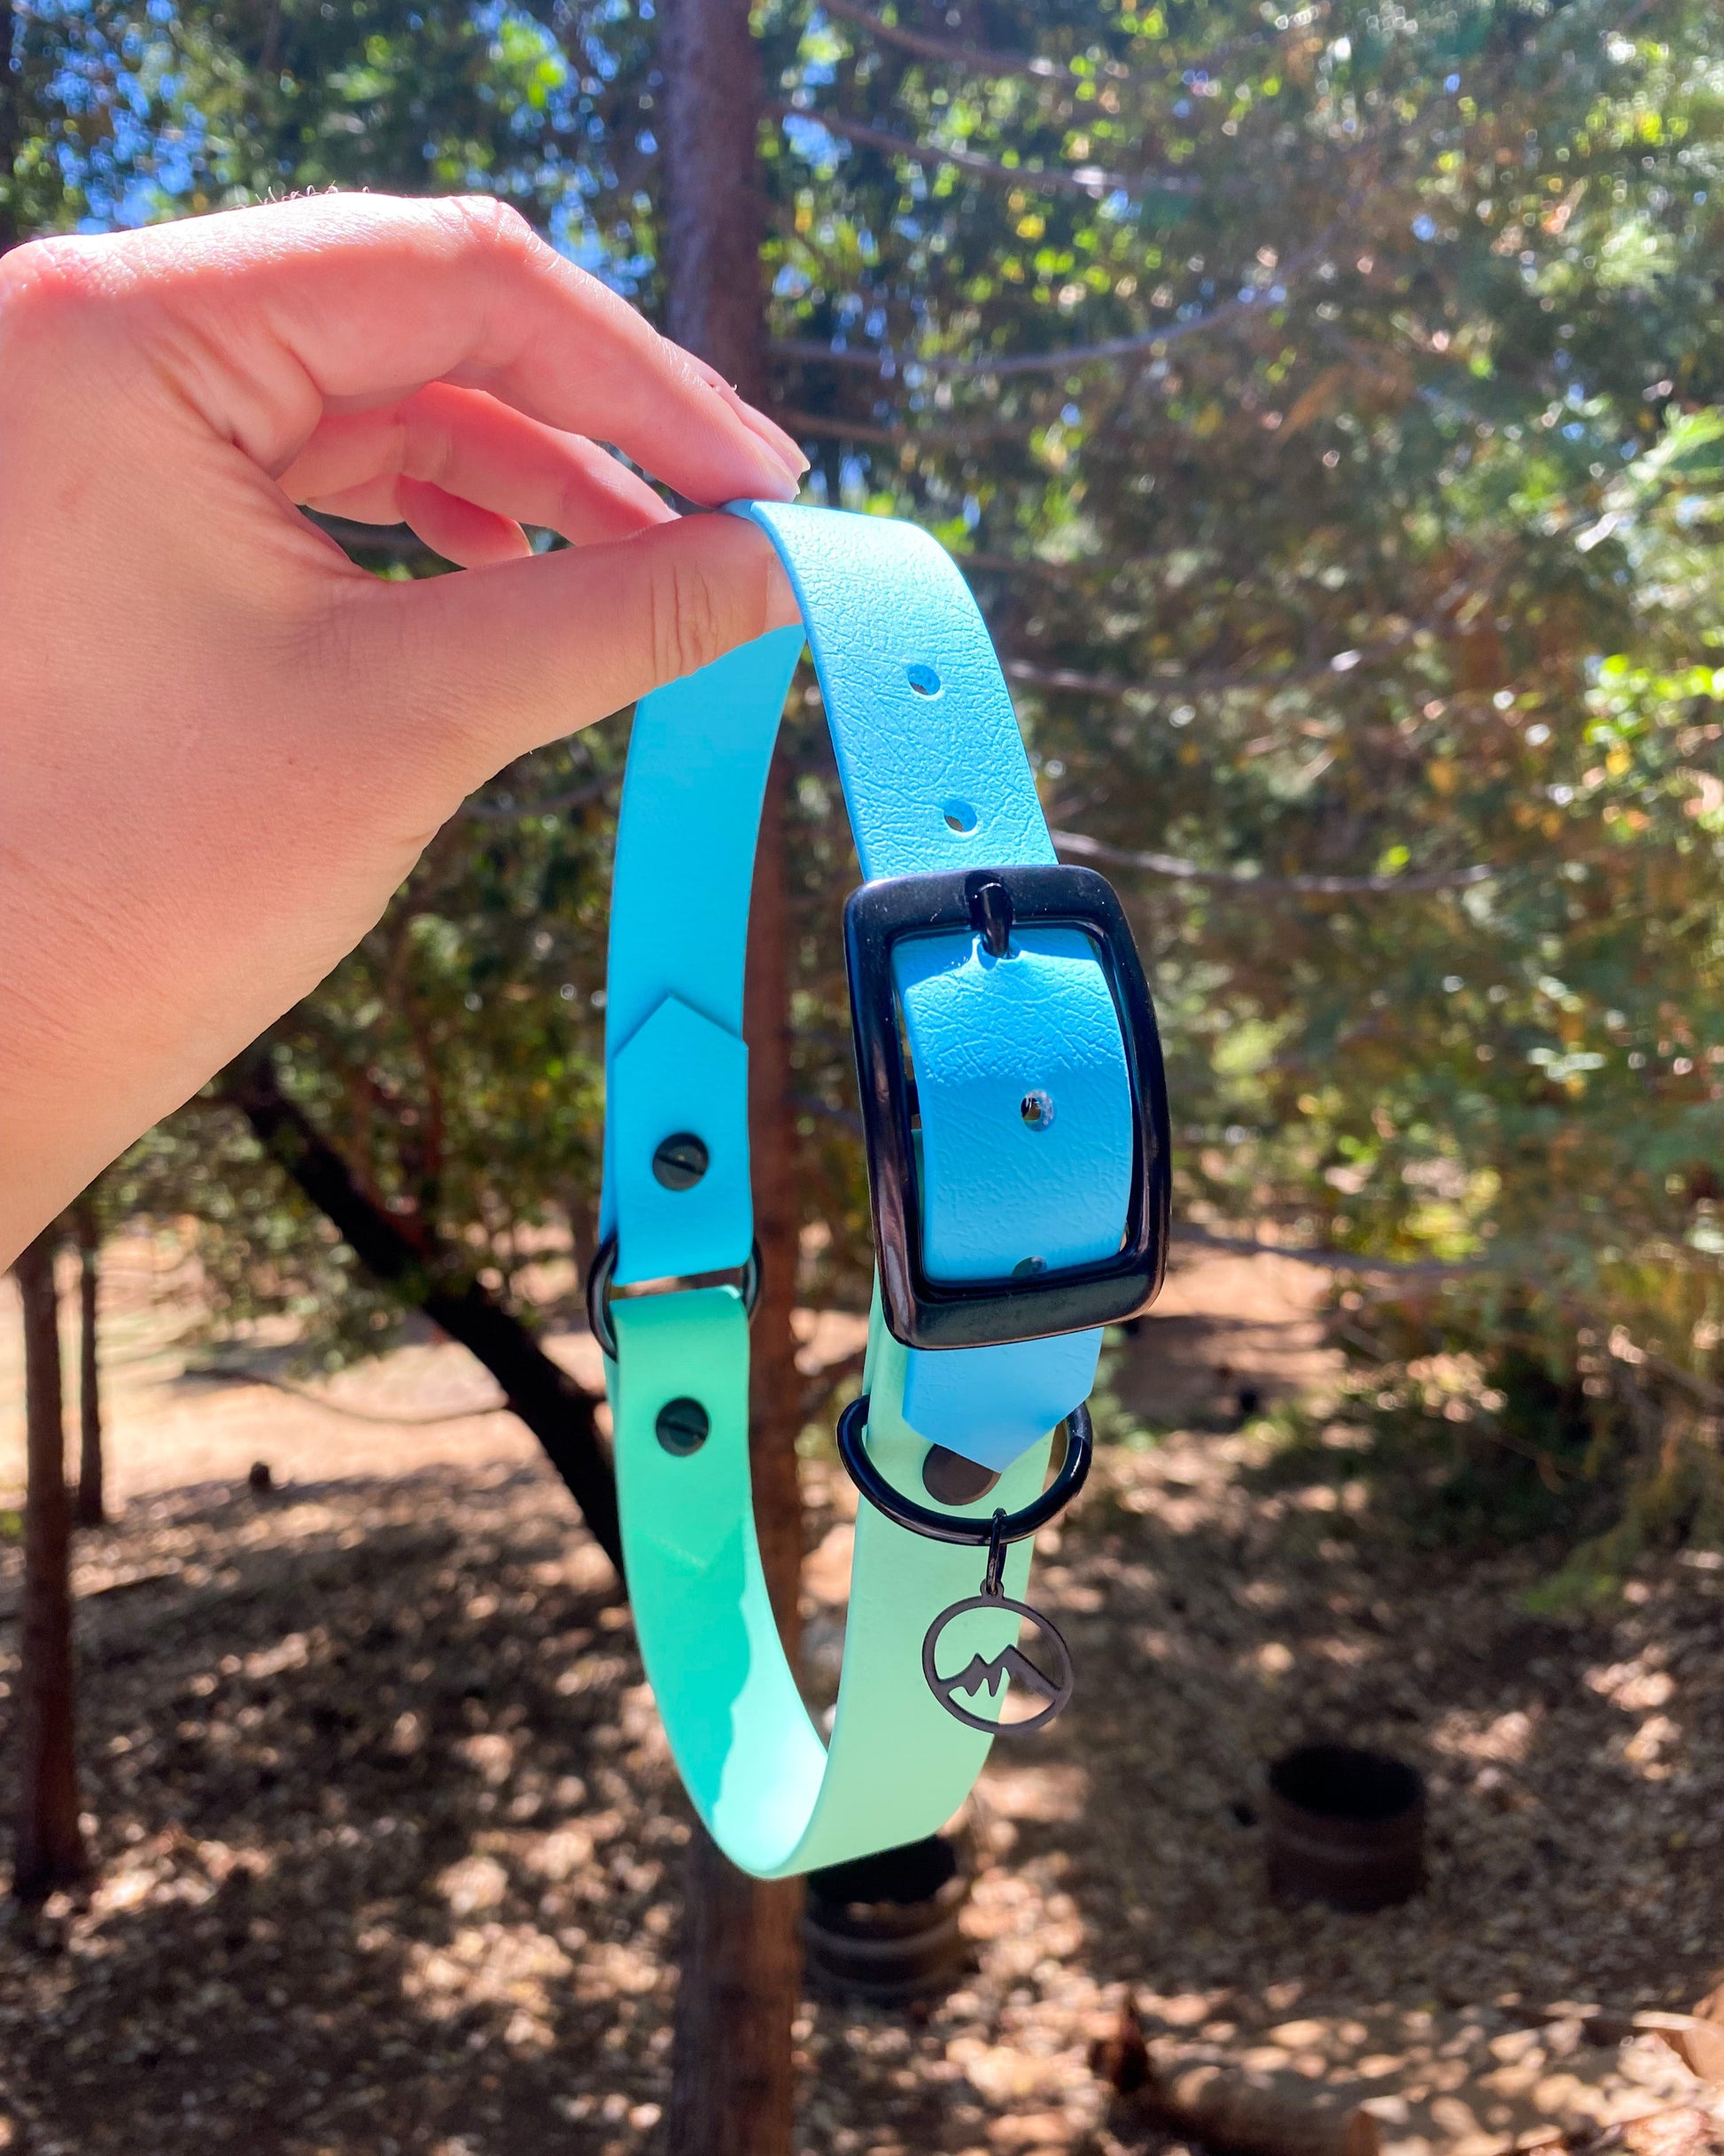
<point x="976" y="1531"/>
<point x="598" y="1291"/>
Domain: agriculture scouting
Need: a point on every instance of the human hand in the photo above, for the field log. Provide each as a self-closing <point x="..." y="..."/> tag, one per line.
<point x="222" y="746"/>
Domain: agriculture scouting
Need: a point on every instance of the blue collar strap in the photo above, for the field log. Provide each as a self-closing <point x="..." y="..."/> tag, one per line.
<point x="1018" y="1171"/>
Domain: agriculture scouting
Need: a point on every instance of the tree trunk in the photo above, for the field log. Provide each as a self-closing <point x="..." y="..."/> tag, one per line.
<point x="92" y="1509"/>
<point x="731" y="2080"/>
<point x="50" y="1844"/>
<point x="544" y="1396"/>
<point x="775" y="1416"/>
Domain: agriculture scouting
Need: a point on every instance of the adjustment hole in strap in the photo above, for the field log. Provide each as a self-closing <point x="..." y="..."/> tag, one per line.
<point x="964" y="1529"/>
<point x="960" y="818"/>
<point x="923" y="680"/>
<point x="1036" y="1108"/>
<point x="950" y="1479"/>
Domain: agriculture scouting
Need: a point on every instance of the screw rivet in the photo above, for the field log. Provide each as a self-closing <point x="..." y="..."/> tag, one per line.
<point x="682" y="1427"/>
<point x="680" y="1160"/>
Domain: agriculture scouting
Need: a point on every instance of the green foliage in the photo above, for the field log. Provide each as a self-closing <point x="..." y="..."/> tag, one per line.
<point x="1432" y="1466"/>
<point x="1489" y="1415"/>
<point x="1329" y="407"/>
<point x="1388" y="551"/>
<point x="153" y="111"/>
<point x="1360" y="557"/>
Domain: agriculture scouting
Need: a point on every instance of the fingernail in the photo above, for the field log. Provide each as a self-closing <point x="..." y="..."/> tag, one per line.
<point x="784" y="447"/>
<point x="790" y="460"/>
<point x="788" y="449"/>
<point x="792" y="475"/>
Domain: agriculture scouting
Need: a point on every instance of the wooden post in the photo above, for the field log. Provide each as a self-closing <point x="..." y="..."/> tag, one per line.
<point x="732" y="2084"/>
<point x="51" y="1845"/>
<point x="92" y="1509"/>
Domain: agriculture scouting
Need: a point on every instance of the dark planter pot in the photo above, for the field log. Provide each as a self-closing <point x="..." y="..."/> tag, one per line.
<point x="885" y="1927"/>
<point x="1346" y="1827"/>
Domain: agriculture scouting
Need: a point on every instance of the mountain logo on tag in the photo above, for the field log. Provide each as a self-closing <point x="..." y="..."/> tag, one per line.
<point x="1010" y="1667"/>
<point x="1048" y="1678"/>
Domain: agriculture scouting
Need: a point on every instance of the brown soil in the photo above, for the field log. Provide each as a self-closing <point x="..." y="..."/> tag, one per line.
<point x="389" y="1841"/>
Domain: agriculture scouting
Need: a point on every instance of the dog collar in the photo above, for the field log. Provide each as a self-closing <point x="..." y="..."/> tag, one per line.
<point x="1015" y="1122"/>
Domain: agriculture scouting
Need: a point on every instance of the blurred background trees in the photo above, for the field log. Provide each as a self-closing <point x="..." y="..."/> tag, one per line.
<point x="1325" y="404"/>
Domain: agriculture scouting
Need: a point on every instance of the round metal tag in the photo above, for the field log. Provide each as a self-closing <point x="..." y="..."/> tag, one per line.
<point x="1010" y="1666"/>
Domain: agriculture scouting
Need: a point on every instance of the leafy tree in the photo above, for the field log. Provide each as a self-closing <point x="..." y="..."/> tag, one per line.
<point x="1324" y="403"/>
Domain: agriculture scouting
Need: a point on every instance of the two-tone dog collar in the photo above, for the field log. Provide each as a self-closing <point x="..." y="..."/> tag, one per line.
<point x="1016" y="1131"/>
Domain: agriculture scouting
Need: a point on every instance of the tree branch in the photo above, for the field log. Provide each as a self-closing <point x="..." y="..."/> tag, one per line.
<point x="1140" y="343"/>
<point x="981" y="59"/>
<point x="1330" y="1260"/>
<point x="552" y="805"/>
<point x="1181" y="871"/>
<point x="1087" y="180"/>
<point x="826" y="426"/>
<point x="975" y="56"/>
<point x="1209" y="681"/>
<point x="978" y="58"/>
<point x="557" y="1412"/>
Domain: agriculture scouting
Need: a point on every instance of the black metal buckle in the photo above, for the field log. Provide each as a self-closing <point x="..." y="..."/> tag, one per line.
<point x="598" y="1291"/>
<point x="1052" y="1686"/>
<point x="925" y="1314"/>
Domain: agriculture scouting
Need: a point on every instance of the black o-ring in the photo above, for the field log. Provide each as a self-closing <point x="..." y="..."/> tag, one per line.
<point x="973" y="1531"/>
<point x="598" y="1291"/>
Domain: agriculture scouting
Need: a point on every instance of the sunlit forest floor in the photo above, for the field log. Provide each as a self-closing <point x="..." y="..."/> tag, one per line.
<point x="389" y="1841"/>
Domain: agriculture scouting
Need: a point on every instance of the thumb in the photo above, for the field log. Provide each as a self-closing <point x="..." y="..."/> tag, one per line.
<point x="474" y="669"/>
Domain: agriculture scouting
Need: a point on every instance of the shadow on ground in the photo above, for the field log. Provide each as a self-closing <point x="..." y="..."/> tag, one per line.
<point x="388" y="1843"/>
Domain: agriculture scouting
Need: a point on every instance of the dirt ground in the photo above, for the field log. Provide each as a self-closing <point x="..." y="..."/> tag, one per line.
<point x="184" y="1414"/>
<point x="389" y="1841"/>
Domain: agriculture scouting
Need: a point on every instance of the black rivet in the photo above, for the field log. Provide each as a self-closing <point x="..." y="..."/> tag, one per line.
<point x="950" y="1479"/>
<point x="680" y="1160"/>
<point x="682" y="1427"/>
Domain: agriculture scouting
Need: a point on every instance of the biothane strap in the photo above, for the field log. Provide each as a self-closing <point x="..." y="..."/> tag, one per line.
<point x="936" y="778"/>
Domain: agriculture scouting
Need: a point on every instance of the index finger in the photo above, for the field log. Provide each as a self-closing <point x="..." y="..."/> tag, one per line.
<point x="333" y="302"/>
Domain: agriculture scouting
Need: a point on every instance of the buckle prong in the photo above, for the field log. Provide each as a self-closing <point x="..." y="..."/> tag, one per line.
<point x="995" y="905"/>
<point x="990" y="913"/>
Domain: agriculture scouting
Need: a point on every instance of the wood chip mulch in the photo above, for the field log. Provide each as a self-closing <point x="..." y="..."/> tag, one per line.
<point x="389" y="1845"/>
